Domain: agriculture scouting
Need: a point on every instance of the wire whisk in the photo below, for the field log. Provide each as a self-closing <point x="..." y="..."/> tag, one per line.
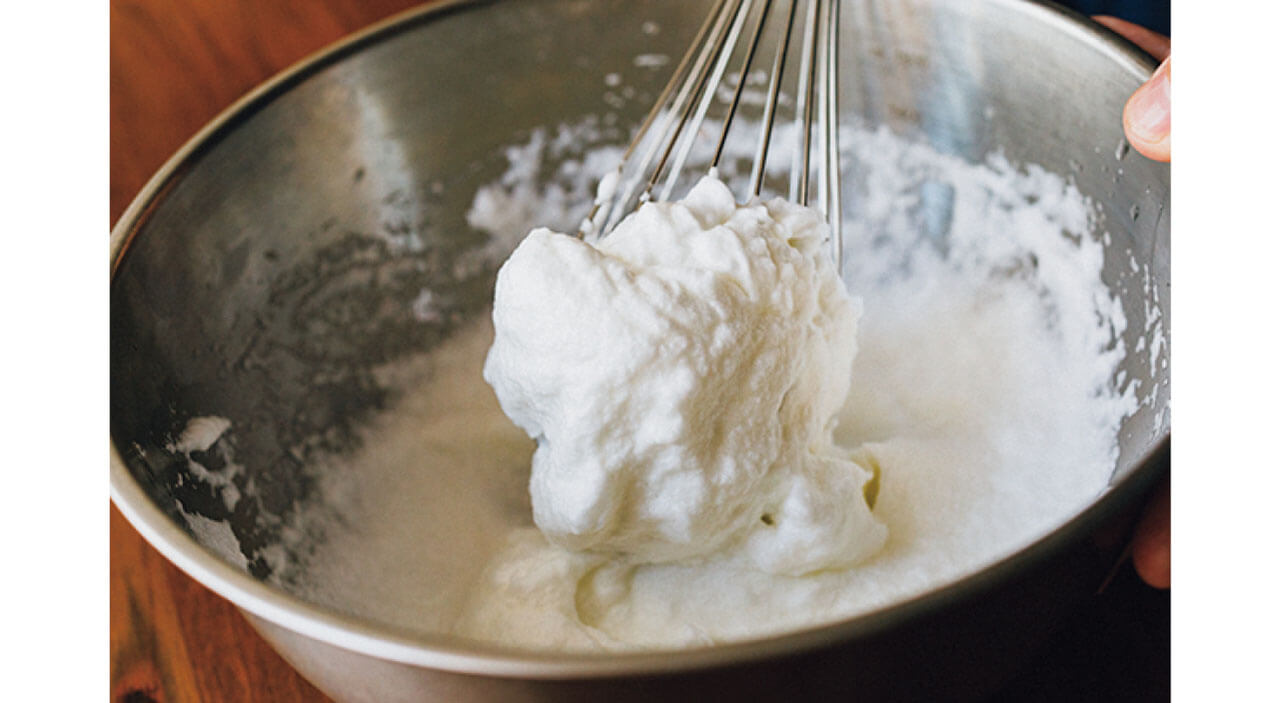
<point x="656" y="159"/>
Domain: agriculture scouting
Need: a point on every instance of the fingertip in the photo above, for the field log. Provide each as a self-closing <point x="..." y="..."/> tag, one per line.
<point x="1148" y="116"/>
<point x="1151" y="559"/>
<point x="1156" y="151"/>
<point x="1152" y="552"/>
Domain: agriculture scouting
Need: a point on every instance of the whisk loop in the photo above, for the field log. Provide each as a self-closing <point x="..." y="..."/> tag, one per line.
<point x="654" y="163"/>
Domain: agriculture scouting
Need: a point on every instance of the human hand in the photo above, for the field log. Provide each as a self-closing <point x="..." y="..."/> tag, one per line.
<point x="1146" y="124"/>
<point x="1146" y="115"/>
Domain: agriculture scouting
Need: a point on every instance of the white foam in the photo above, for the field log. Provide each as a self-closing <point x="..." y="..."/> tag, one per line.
<point x="984" y="387"/>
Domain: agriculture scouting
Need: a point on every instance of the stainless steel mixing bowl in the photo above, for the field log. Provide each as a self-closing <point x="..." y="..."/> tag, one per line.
<point x="257" y="278"/>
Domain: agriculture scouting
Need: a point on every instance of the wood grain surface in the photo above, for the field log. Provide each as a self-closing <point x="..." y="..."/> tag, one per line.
<point x="176" y="65"/>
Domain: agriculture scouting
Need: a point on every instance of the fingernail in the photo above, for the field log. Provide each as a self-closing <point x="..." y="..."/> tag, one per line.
<point x="1149" y="107"/>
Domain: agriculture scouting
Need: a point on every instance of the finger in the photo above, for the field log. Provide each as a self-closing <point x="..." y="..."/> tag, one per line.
<point x="1155" y="44"/>
<point x="1151" y="552"/>
<point x="1147" y="116"/>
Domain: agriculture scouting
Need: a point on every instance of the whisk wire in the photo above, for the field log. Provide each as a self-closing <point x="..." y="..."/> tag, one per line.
<point x="673" y="125"/>
<point x="771" y="102"/>
<point x="610" y="204"/>
<point x="700" y="46"/>
<point x="708" y="93"/>
<point x="831" y="152"/>
<point x="742" y="82"/>
<point x="799" y="192"/>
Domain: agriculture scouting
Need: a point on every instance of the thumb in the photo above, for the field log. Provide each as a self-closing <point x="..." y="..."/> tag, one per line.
<point x="1146" y="116"/>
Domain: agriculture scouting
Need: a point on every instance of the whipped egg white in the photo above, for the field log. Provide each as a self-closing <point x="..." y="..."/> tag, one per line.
<point x="681" y="378"/>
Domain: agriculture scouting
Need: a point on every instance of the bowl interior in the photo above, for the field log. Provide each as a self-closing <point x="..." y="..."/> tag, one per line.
<point x="295" y="277"/>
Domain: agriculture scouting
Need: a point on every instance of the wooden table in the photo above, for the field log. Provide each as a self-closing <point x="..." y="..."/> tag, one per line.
<point x="174" y="66"/>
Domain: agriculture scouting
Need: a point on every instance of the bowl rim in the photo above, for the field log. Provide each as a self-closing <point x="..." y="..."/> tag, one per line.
<point x="456" y="654"/>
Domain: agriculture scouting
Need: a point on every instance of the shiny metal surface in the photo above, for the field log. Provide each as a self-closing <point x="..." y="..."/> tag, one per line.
<point x="266" y="271"/>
